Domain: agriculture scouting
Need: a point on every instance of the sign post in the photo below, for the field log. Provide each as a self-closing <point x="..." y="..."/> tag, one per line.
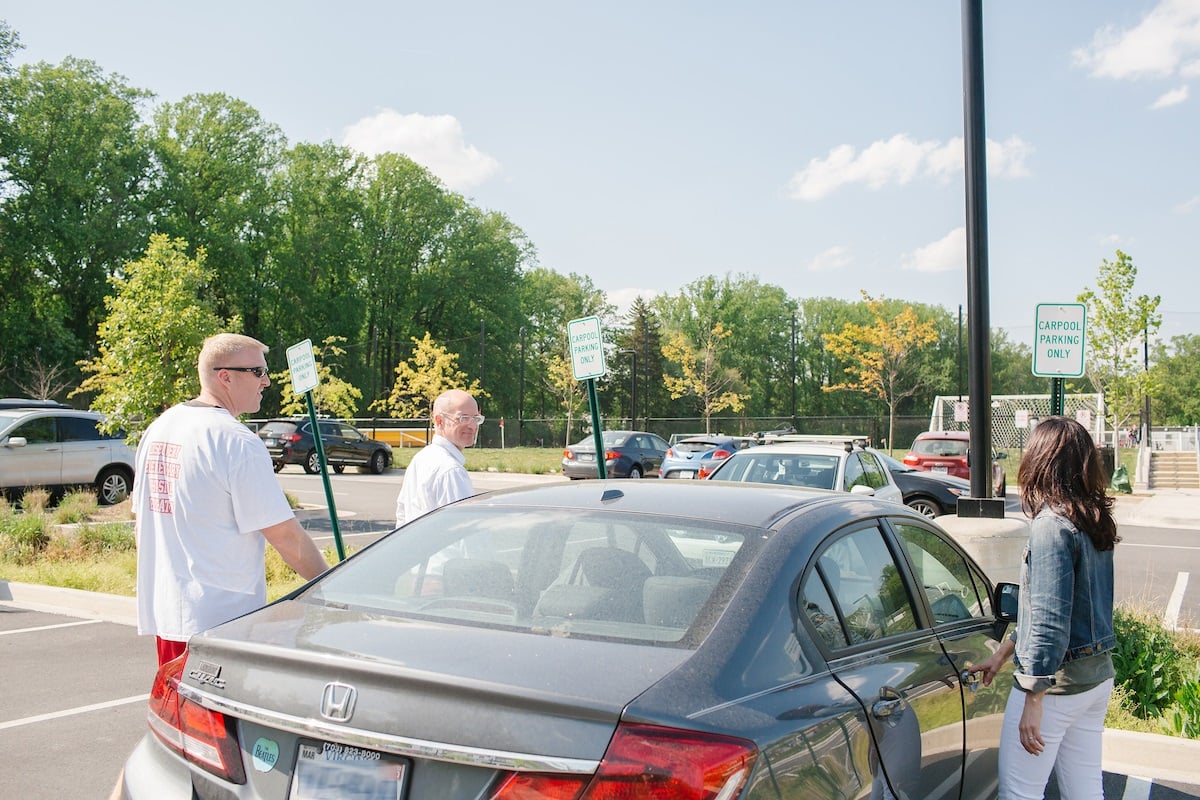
<point x="587" y="362"/>
<point x="302" y="366"/>
<point x="1060" y="341"/>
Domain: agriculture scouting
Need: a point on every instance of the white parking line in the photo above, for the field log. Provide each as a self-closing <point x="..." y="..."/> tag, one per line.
<point x="1137" y="788"/>
<point x="1171" y="616"/>
<point x="70" y="712"/>
<point x="52" y="627"/>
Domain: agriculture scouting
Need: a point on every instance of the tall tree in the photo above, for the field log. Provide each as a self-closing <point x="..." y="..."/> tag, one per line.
<point x="566" y="391"/>
<point x="431" y="370"/>
<point x="700" y="373"/>
<point x="1118" y="323"/>
<point x="883" y="357"/>
<point x="158" y="317"/>
<point x="215" y="157"/>
<point x="334" y="396"/>
<point x="72" y="174"/>
<point x="1175" y="381"/>
<point x="642" y="335"/>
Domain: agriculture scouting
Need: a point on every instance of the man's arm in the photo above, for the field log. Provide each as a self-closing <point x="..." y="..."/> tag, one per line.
<point x="297" y="548"/>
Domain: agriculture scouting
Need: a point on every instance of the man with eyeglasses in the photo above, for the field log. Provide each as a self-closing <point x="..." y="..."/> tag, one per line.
<point x="206" y="502"/>
<point x="438" y="474"/>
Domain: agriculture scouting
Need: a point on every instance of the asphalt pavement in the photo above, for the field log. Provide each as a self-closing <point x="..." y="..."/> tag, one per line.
<point x="1138" y="766"/>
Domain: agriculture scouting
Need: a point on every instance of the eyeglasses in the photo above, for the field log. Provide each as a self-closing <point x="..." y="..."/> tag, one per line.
<point x="258" y="372"/>
<point x="463" y="419"/>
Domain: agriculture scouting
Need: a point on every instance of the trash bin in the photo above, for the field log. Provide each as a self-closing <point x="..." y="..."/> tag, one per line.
<point x="1108" y="461"/>
<point x="1120" y="481"/>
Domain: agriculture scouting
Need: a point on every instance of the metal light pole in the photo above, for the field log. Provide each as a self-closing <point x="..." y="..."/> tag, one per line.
<point x="632" y="388"/>
<point x="521" y="395"/>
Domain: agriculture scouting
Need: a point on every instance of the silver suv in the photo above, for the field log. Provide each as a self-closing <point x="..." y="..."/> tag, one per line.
<point x="57" y="448"/>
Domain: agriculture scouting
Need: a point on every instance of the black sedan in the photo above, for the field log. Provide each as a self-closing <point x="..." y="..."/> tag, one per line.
<point x="291" y="441"/>
<point x="931" y="493"/>
<point x="648" y="639"/>
<point x="627" y="454"/>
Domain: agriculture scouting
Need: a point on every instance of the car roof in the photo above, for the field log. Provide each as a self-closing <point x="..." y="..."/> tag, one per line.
<point x="757" y="505"/>
<point x="802" y="448"/>
<point x="963" y="435"/>
<point x="26" y="402"/>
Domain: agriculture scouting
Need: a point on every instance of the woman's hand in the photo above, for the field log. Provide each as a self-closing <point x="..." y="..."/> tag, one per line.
<point x="993" y="664"/>
<point x="1031" y="724"/>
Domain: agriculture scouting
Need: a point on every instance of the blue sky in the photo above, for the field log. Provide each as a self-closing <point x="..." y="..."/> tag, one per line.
<point x="813" y="145"/>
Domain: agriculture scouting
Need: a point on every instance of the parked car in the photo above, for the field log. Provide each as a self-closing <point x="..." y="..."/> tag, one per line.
<point x="948" y="452"/>
<point x="290" y="441"/>
<point x="931" y="493"/>
<point x="61" y="448"/>
<point x="627" y="454"/>
<point x="813" y="645"/>
<point x="700" y="455"/>
<point x="29" y="402"/>
<point x="844" y="467"/>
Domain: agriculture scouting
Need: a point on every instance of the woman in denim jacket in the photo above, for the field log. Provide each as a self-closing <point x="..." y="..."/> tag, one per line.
<point x="1064" y="637"/>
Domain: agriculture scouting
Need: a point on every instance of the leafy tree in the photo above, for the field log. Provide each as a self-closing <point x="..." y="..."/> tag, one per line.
<point x="1117" y="321"/>
<point x="568" y="392"/>
<point x="333" y="396"/>
<point x="158" y="318"/>
<point x="71" y="211"/>
<point x="215" y="156"/>
<point x="1012" y="366"/>
<point x="1175" y="381"/>
<point x="643" y="336"/>
<point x="883" y="357"/>
<point x="701" y="374"/>
<point x="430" y="371"/>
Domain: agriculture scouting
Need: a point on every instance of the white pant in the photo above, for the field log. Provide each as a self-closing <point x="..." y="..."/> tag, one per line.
<point x="1072" y="728"/>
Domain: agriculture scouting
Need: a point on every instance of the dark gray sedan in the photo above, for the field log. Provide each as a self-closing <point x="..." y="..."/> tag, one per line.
<point x="581" y="641"/>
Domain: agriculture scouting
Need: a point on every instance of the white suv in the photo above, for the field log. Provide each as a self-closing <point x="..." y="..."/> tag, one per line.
<point x="59" y="448"/>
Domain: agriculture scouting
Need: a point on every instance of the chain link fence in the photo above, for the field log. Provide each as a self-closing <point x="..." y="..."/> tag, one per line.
<point x="1014" y="415"/>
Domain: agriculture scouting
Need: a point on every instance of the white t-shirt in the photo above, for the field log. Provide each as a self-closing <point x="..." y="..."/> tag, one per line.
<point x="437" y="476"/>
<point x="203" y="490"/>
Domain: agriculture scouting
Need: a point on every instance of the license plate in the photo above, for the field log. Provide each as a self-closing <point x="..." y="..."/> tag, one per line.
<point x="332" y="771"/>
<point x="939" y="468"/>
<point x="587" y="456"/>
<point x="686" y="473"/>
<point x="270" y="442"/>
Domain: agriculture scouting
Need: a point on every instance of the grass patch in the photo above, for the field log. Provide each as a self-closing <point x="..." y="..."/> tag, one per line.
<point x="75" y="506"/>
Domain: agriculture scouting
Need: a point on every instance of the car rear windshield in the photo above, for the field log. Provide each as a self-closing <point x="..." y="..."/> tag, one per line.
<point x="787" y="469"/>
<point x="694" y="447"/>
<point x="276" y="428"/>
<point x="559" y="572"/>
<point x="940" y="447"/>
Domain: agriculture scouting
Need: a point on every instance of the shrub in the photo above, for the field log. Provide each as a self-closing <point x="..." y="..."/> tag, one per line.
<point x="35" y="500"/>
<point x="1149" y="661"/>
<point x="23" y="537"/>
<point x="110" y="537"/>
<point x="75" y="506"/>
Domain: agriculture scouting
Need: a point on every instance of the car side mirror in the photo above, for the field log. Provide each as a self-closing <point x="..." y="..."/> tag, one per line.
<point x="1005" y="601"/>
<point x="16" y="441"/>
<point x="862" y="488"/>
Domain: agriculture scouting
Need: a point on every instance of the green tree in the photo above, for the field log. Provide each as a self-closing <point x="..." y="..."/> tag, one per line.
<point x="883" y="357"/>
<point x="430" y="371"/>
<point x="333" y="396"/>
<point x="149" y="343"/>
<point x="701" y="374"/>
<point x="643" y="335"/>
<point x="1117" y="321"/>
<point x="564" y="388"/>
<point x="215" y="156"/>
<point x="71" y="203"/>
<point x="1175" y="381"/>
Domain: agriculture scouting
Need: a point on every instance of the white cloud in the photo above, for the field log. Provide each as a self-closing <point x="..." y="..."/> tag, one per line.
<point x="1171" y="98"/>
<point x="1164" y="43"/>
<point x="899" y="160"/>
<point x="434" y="142"/>
<point x="1188" y="206"/>
<point x="830" y="260"/>
<point x="946" y="254"/>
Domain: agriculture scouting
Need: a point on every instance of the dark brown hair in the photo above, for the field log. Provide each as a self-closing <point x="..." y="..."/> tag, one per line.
<point x="1061" y="469"/>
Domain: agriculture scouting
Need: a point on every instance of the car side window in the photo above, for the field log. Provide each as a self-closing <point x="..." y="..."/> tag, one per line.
<point x="76" y="429"/>
<point x="36" y="431"/>
<point x="857" y="579"/>
<point x="872" y="471"/>
<point x="854" y="473"/>
<point x="349" y="433"/>
<point x="943" y="574"/>
<point x="329" y="430"/>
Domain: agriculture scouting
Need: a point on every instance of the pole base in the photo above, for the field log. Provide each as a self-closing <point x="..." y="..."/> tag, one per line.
<point x="981" y="507"/>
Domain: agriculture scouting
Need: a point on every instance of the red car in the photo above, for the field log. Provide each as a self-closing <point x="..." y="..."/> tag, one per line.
<point x="947" y="452"/>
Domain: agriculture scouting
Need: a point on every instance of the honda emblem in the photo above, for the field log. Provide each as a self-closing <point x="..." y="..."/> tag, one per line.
<point x="337" y="702"/>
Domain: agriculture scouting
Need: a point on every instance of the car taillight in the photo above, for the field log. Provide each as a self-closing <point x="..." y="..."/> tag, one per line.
<point x="568" y="455"/>
<point x="290" y="437"/>
<point x="646" y="762"/>
<point x="720" y="455"/>
<point x="670" y="452"/>
<point x="206" y="738"/>
<point x="611" y="455"/>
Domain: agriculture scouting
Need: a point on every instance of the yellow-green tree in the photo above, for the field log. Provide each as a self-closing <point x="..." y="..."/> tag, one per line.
<point x="158" y="317"/>
<point x="701" y="373"/>
<point x="333" y="396"/>
<point x="428" y="372"/>
<point x="883" y="357"/>
<point x="561" y="382"/>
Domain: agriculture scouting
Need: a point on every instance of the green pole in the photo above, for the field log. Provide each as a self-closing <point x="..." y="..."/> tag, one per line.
<point x="312" y="418"/>
<point x="597" y="435"/>
<point x="1058" y="400"/>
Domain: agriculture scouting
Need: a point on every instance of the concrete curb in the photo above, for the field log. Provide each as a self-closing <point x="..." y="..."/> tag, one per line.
<point x="74" y="602"/>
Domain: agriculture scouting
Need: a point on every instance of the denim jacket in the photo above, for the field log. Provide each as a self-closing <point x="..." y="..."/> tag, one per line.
<point x="1066" y="606"/>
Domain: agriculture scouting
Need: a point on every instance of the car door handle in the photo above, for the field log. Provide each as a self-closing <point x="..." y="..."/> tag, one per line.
<point x="970" y="679"/>
<point x="888" y="709"/>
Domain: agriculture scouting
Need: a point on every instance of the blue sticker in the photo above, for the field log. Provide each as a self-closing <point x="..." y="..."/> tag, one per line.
<point x="266" y="754"/>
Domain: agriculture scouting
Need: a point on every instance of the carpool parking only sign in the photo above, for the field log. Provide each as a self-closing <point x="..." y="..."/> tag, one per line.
<point x="1061" y="334"/>
<point x="587" y="347"/>
<point x="303" y="367"/>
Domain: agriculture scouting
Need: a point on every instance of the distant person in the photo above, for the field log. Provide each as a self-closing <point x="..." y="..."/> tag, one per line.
<point x="438" y="474"/>
<point x="206" y="501"/>
<point x="1064" y="637"/>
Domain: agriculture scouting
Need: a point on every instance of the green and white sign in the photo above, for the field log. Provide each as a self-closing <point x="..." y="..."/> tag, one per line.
<point x="303" y="367"/>
<point x="1060" y="337"/>
<point x="587" y="347"/>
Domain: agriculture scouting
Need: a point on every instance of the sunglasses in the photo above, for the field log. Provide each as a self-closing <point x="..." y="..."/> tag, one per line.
<point x="258" y="372"/>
